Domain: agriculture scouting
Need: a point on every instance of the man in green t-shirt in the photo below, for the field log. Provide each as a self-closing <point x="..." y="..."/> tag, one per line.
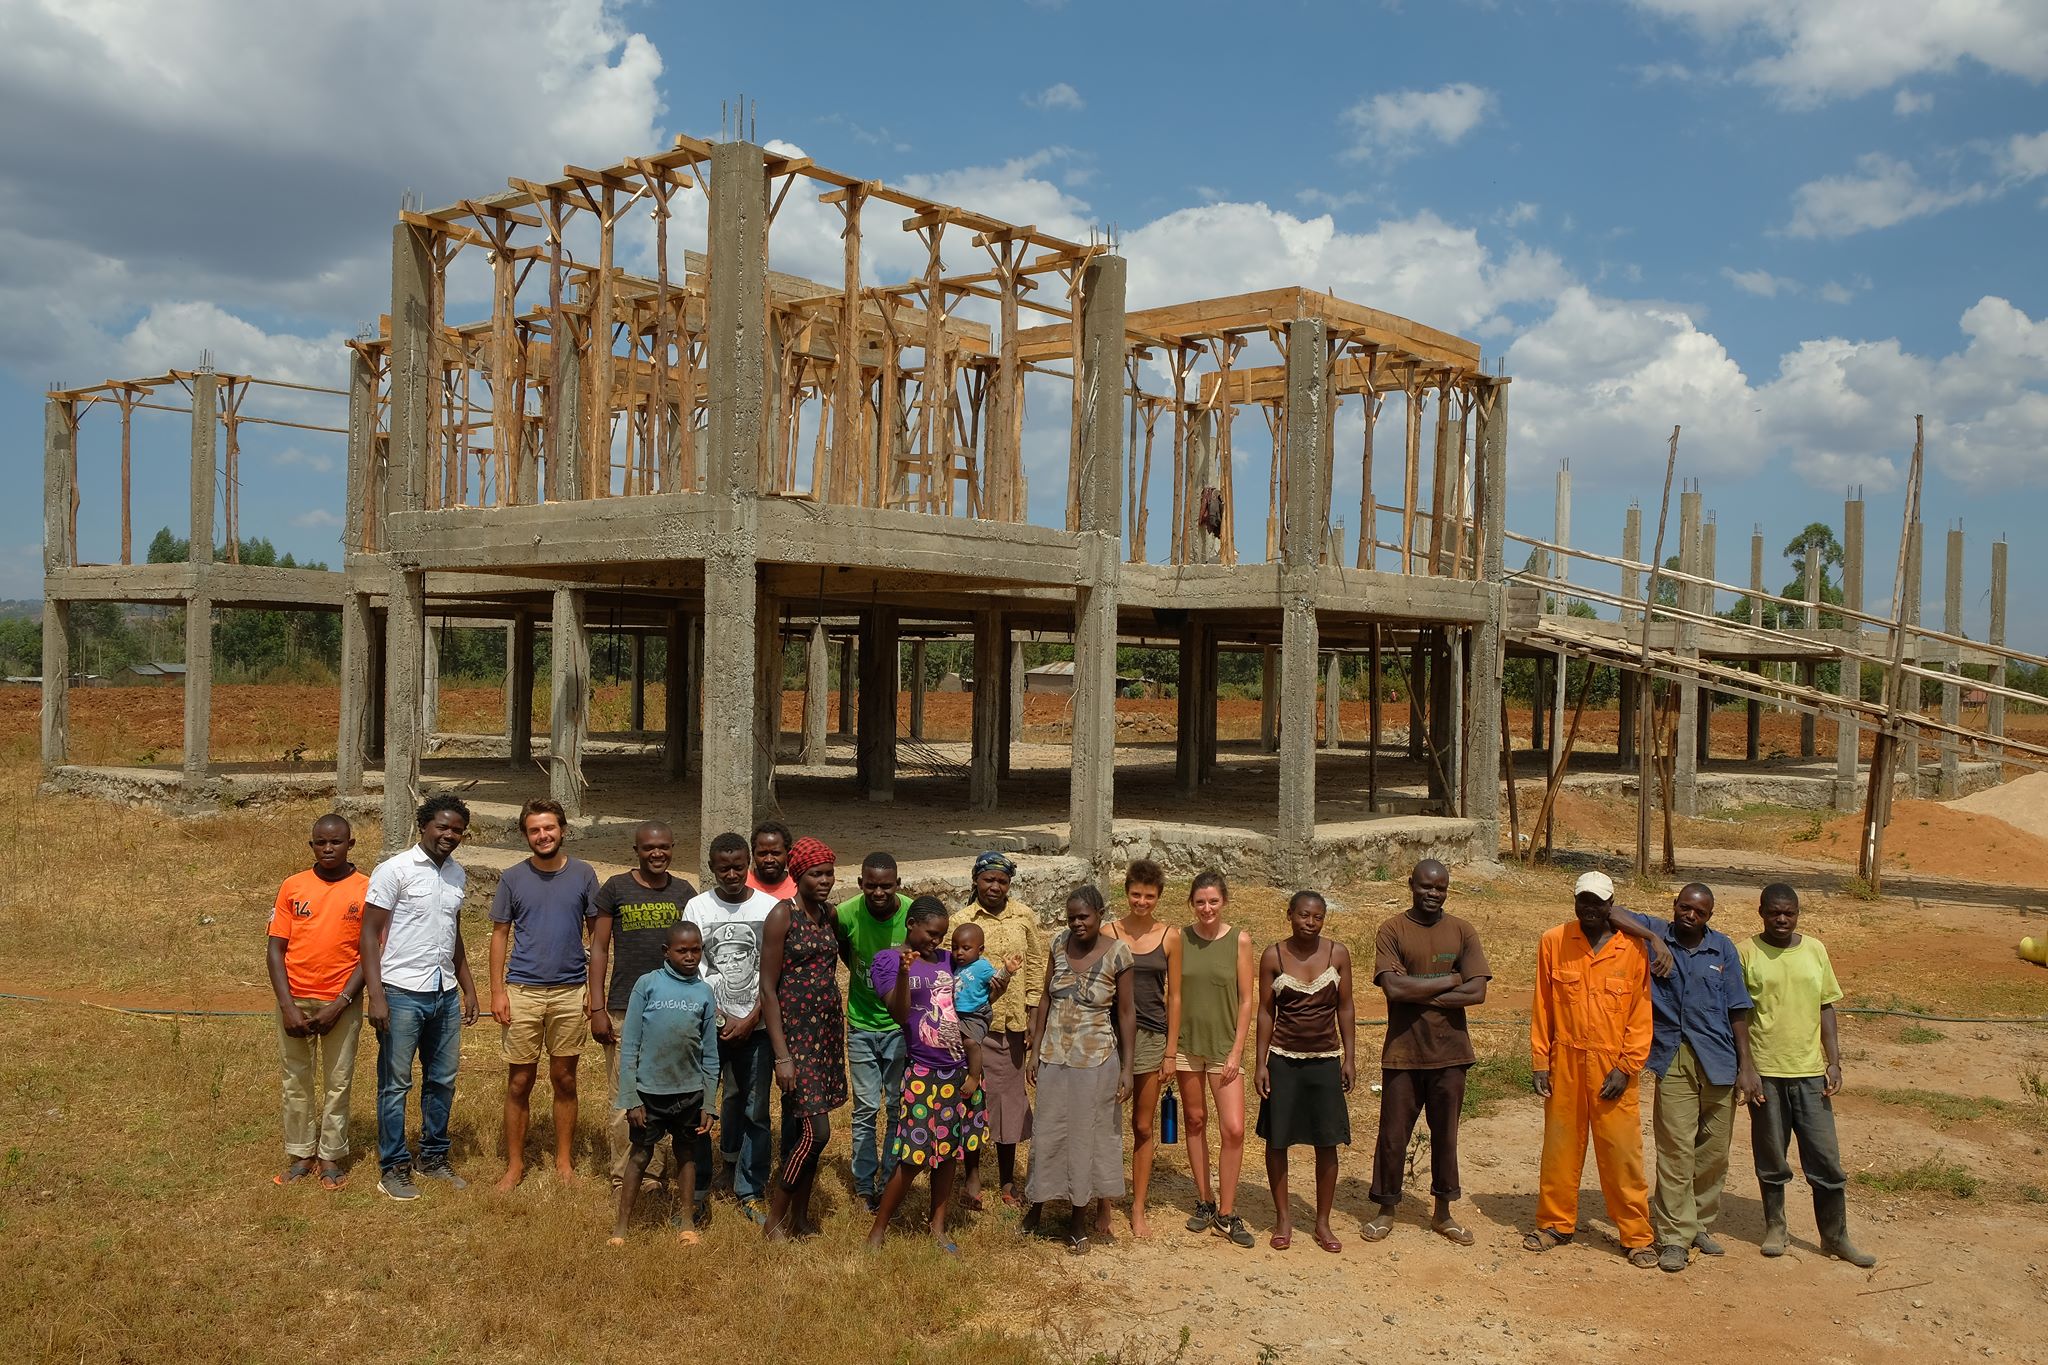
<point x="1797" y="1070"/>
<point x="868" y="924"/>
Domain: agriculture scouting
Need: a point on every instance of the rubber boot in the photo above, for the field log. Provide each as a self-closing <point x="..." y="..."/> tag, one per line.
<point x="1774" y="1220"/>
<point x="1831" y="1212"/>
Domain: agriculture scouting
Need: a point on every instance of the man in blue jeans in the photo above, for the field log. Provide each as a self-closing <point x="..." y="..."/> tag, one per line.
<point x="730" y="916"/>
<point x="418" y="993"/>
<point x="870" y="923"/>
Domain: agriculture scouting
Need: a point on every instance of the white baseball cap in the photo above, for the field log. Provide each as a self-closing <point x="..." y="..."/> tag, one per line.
<point x="1597" y="883"/>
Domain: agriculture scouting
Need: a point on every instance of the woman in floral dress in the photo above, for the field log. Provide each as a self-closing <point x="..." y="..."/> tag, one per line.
<point x="807" y="1029"/>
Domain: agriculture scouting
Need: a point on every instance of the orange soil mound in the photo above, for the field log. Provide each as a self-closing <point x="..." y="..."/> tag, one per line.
<point x="1927" y="836"/>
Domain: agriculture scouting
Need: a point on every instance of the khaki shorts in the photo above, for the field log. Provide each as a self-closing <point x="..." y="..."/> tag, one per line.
<point x="1200" y="1066"/>
<point x="546" y="1020"/>
<point x="1147" y="1052"/>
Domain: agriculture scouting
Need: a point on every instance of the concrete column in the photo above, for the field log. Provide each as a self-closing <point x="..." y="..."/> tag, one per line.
<point x="199" y="606"/>
<point x="1952" y="692"/>
<point x="362" y="436"/>
<point x="1205" y="766"/>
<point x="768" y="672"/>
<point x="352" y="742"/>
<point x="846" y="687"/>
<point x="917" y="662"/>
<point x="1482" y="754"/>
<point x="1187" y="722"/>
<point x="404" y="638"/>
<point x="880" y="654"/>
<point x="412" y="381"/>
<point x="1916" y="652"/>
<point x="1808" y="673"/>
<point x="1539" y="699"/>
<point x="60" y="446"/>
<point x="817" y="683"/>
<point x="1626" y="721"/>
<point x="374" y="748"/>
<point x="519" y="692"/>
<point x="1418" y="700"/>
<point x="986" y="734"/>
<point x="1098" y="418"/>
<point x="1994" y="706"/>
<point x="1013" y="683"/>
<point x="430" y="680"/>
<point x="1849" y="680"/>
<point x="636" y="716"/>
<point x="1333" y="701"/>
<point x="564" y="476"/>
<point x="693" y="691"/>
<point x="1304" y="527"/>
<point x="1686" y="763"/>
<point x="675" y="698"/>
<point x="1269" y="698"/>
<point x="205" y="421"/>
<point x="56" y="683"/>
<point x="736" y="419"/>
<point x="569" y="692"/>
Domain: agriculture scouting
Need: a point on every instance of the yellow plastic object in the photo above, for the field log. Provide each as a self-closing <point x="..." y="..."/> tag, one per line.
<point x="2035" y="950"/>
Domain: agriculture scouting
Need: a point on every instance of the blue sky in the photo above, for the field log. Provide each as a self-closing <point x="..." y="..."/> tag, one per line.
<point x="1787" y="225"/>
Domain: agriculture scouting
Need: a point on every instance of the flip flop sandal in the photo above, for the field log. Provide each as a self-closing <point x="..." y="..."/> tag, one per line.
<point x="1077" y="1246"/>
<point x="949" y="1248"/>
<point x="1642" y="1258"/>
<point x="1378" y="1229"/>
<point x="1452" y="1232"/>
<point x="293" y="1174"/>
<point x="1543" y="1239"/>
<point x="1280" y="1241"/>
<point x="1333" y="1246"/>
<point x="333" y="1182"/>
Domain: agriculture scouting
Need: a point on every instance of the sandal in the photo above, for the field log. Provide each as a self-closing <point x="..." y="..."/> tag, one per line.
<point x="1543" y="1239"/>
<point x="1452" y="1232"/>
<point x="1378" y="1229"/>
<point x="1077" y="1246"/>
<point x="1642" y="1258"/>
<point x="333" y="1180"/>
<point x="292" y="1174"/>
<point x="948" y="1247"/>
<point x="971" y="1202"/>
<point x="1280" y="1241"/>
<point x="1333" y="1246"/>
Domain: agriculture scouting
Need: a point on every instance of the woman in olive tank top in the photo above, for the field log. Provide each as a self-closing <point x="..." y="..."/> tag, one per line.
<point x="1155" y="950"/>
<point x="1213" y="984"/>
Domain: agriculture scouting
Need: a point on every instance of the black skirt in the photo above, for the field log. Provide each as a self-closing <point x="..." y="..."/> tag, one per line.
<point x="1307" y="1106"/>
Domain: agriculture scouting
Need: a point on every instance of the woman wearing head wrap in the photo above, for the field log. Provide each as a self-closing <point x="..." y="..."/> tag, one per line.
<point x="806" y="1027"/>
<point x="1009" y="929"/>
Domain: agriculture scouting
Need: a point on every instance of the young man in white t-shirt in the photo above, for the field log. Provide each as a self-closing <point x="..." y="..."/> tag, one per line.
<point x="730" y="916"/>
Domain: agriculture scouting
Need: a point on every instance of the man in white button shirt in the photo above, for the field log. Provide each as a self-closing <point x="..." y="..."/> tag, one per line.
<point x="413" y="968"/>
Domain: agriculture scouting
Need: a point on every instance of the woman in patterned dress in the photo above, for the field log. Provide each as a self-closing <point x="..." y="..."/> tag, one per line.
<point x="806" y="1028"/>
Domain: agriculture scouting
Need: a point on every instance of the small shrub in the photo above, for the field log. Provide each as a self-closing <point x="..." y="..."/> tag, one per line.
<point x="1932" y="1176"/>
<point x="1920" y="1033"/>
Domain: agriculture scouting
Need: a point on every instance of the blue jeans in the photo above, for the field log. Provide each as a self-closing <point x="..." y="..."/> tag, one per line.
<point x="874" y="1063"/>
<point x="426" y="1025"/>
<point x="746" y="1069"/>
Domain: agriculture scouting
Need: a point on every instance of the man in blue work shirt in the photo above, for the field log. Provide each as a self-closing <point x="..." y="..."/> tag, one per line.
<point x="1699" y="1050"/>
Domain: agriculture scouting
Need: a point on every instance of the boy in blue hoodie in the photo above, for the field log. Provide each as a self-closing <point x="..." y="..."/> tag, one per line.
<point x="668" y="1063"/>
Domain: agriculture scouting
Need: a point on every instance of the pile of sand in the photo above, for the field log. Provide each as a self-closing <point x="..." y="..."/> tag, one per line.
<point x="2022" y="803"/>
<point x="1941" y="840"/>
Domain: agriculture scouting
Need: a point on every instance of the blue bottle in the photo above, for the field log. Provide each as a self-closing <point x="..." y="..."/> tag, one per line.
<point x="1169" y="1116"/>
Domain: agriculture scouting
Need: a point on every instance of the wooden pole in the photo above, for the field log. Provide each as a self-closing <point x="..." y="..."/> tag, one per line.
<point x="1646" y="746"/>
<point x="1877" y="801"/>
<point x="1564" y="758"/>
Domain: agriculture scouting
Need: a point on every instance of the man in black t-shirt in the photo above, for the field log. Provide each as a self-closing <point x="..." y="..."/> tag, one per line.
<point x="634" y="912"/>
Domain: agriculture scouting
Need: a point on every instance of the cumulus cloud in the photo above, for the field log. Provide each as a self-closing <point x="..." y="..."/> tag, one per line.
<point x="1399" y="122"/>
<point x="1812" y="51"/>
<point x="1882" y="192"/>
<point x="1761" y="283"/>
<point x="1058" y="96"/>
<point x="1910" y="102"/>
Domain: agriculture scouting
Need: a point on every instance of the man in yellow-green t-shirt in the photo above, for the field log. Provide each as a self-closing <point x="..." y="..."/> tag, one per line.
<point x="1798" y="1069"/>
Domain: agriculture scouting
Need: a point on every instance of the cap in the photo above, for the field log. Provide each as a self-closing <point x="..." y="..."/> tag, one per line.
<point x="1598" y="883"/>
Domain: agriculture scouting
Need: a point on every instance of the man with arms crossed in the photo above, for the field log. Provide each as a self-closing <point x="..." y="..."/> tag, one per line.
<point x="418" y="993"/>
<point x="542" y="984"/>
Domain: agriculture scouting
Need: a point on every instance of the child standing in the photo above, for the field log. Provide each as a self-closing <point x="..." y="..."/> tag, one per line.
<point x="668" y="1064"/>
<point x="941" y="1118"/>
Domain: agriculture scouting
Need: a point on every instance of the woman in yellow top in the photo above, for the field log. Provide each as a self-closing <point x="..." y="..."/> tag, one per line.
<point x="1212" y="981"/>
<point x="1009" y="929"/>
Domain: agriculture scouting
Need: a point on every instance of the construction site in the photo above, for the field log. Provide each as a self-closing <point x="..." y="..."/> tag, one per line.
<point x="717" y="462"/>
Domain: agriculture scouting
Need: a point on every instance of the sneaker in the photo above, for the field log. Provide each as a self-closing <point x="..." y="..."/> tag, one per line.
<point x="870" y="1201"/>
<point x="755" y="1211"/>
<point x="1707" y="1245"/>
<point x="1232" y="1228"/>
<point x="1671" y="1258"/>
<point x="396" y="1182"/>
<point x="1204" y="1219"/>
<point x="442" y="1171"/>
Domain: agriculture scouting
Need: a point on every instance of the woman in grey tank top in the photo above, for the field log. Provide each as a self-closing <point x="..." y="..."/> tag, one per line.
<point x="1155" y="950"/>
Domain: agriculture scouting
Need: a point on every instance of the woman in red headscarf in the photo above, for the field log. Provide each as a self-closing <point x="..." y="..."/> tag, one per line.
<point x="807" y="1029"/>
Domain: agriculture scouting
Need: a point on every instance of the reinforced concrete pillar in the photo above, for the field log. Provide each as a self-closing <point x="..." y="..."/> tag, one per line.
<point x="56" y="683"/>
<point x="768" y="676"/>
<point x="1482" y="753"/>
<point x="379" y="626"/>
<point x="817" y="683"/>
<point x="1269" y="698"/>
<point x="1206" y="763"/>
<point x="199" y="607"/>
<point x="636" y="715"/>
<point x="430" y="680"/>
<point x="405" y="628"/>
<point x="569" y="699"/>
<point x="1952" y="691"/>
<point x="1994" y="706"/>
<point x="1187" y="721"/>
<point x="352" y="741"/>
<point x="675" y="696"/>
<point x="846" y="685"/>
<point x="1333" y="702"/>
<point x="737" y="414"/>
<point x="1808" y="674"/>
<point x="1304" y="529"/>
<point x="1849" y="679"/>
<point x="408" y="469"/>
<point x="1418" y="700"/>
<point x="1013" y="688"/>
<point x="60" y="451"/>
<point x="985" y="735"/>
<point x="1686" y="759"/>
<point x="1099" y="383"/>
<point x="917" y="660"/>
<point x="880" y="655"/>
<point x="519" y="692"/>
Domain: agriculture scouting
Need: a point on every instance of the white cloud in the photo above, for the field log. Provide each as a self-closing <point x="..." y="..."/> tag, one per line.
<point x="1882" y="192"/>
<point x="2024" y="157"/>
<point x="315" y="518"/>
<point x="1834" y="291"/>
<point x="1329" y="200"/>
<point x="1817" y="50"/>
<point x="1519" y="213"/>
<point x="305" y="459"/>
<point x="1761" y="283"/>
<point x="172" y="335"/>
<point x="1910" y="102"/>
<point x="1059" y="96"/>
<point x="1398" y="122"/>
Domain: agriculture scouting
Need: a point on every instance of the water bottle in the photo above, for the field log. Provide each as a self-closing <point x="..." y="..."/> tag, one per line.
<point x="1169" y="1116"/>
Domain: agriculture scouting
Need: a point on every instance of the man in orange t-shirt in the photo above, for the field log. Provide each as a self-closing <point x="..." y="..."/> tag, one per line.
<point x="1589" y="1038"/>
<point x="315" y="963"/>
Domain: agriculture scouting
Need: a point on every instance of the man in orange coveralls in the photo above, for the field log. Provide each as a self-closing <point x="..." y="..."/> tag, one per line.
<point x="1589" y="1037"/>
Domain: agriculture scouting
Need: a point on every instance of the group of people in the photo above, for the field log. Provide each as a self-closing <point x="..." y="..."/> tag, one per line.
<point x="966" y="1028"/>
